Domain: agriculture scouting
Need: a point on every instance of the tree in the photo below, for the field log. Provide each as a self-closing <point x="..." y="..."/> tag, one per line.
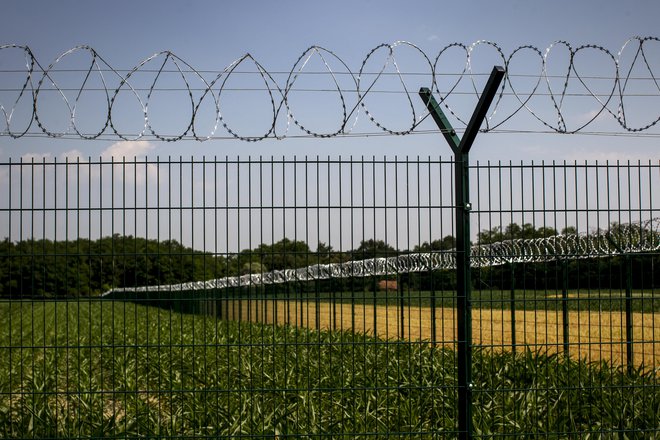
<point x="324" y="252"/>
<point x="285" y="254"/>
<point x="443" y="244"/>
<point x="44" y="268"/>
<point x="253" y="267"/>
<point x="493" y="235"/>
<point x="373" y="249"/>
<point x="514" y="232"/>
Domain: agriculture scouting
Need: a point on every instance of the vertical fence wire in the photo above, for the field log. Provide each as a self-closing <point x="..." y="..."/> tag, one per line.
<point x="560" y="348"/>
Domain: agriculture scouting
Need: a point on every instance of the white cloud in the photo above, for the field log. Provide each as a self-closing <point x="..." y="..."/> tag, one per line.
<point x="432" y="37"/>
<point x="37" y="157"/>
<point x="72" y="154"/>
<point x="593" y="116"/>
<point x="612" y="155"/>
<point x="127" y="149"/>
<point x="117" y="152"/>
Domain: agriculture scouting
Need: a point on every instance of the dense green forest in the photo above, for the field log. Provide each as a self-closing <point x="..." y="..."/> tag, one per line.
<point x="35" y="268"/>
<point x="83" y="267"/>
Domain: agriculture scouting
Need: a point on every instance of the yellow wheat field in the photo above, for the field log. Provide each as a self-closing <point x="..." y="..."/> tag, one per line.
<point x="594" y="336"/>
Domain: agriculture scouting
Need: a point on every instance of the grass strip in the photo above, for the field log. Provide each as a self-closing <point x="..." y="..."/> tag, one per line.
<point x="105" y="368"/>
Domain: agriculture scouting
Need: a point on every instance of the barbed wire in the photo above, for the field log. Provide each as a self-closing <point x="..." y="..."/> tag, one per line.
<point x="619" y="239"/>
<point x="205" y="92"/>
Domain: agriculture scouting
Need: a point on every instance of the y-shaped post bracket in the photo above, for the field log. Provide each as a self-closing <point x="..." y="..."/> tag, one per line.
<point x="461" y="149"/>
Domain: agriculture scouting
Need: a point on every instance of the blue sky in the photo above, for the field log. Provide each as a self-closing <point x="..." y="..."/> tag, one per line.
<point x="210" y="35"/>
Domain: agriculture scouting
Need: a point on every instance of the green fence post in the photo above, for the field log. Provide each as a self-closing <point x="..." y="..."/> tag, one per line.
<point x="627" y="261"/>
<point x="402" y="306"/>
<point x="512" y="299"/>
<point x="317" y="304"/>
<point x="461" y="150"/>
<point x="434" y="330"/>
<point x="564" y="305"/>
<point x="629" y="332"/>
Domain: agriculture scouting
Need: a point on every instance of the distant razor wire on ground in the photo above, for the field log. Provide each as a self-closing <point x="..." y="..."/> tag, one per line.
<point x="606" y="83"/>
<point x="620" y="239"/>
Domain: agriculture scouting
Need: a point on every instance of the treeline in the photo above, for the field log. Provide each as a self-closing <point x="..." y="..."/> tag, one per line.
<point x="83" y="267"/>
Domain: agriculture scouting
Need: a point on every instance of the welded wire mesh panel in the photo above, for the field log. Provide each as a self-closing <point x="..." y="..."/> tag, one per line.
<point x="315" y="298"/>
<point x="88" y="350"/>
<point x="582" y="332"/>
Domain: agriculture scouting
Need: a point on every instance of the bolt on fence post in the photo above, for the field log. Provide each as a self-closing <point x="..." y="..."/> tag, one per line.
<point x="461" y="150"/>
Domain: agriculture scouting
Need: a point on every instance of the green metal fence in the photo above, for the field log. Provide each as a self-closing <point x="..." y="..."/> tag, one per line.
<point x="317" y="298"/>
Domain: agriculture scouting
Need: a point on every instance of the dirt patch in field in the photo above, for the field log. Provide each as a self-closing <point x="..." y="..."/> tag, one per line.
<point x="593" y="336"/>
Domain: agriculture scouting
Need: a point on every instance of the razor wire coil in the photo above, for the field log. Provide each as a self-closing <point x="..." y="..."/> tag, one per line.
<point x="203" y="91"/>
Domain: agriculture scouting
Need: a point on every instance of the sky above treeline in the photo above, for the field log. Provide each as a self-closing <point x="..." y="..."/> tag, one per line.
<point x="153" y="70"/>
<point x="208" y="36"/>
